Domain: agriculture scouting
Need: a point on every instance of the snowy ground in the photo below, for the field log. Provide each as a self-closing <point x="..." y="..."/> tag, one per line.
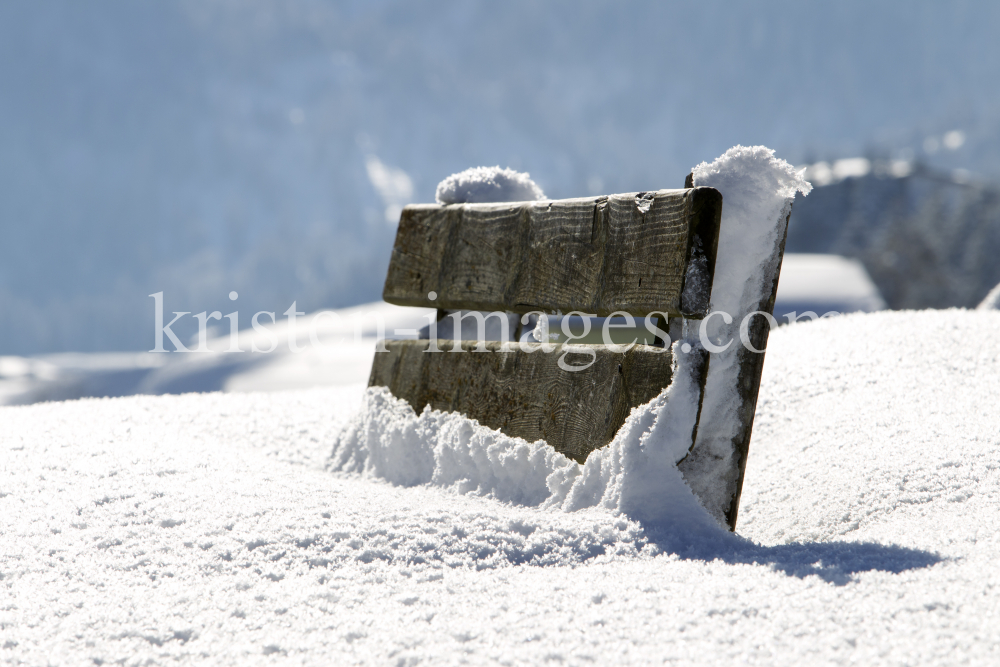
<point x="152" y="529"/>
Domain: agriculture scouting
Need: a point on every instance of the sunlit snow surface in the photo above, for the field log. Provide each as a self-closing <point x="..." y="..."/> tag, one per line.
<point x="150" y="530"/>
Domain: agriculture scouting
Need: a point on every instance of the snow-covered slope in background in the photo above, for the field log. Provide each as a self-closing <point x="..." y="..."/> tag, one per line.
<point x="327" y="348"/>
<point x="928" y="238"/>
<point x="158" y="529"/>
<point x="824" y="283"/>
<point x="199" y="147"/>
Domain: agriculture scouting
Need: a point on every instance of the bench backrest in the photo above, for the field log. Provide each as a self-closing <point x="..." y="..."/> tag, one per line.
<point x="639" y="253"/>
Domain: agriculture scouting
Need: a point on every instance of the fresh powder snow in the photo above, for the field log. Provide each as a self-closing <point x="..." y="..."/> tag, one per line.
<point x="487" y="184"/>
<point x="636" y="474"/>
<point x="165" y="529"/>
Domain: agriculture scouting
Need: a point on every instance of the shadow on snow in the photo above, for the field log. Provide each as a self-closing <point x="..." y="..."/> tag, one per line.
<point x="834" y="562"/>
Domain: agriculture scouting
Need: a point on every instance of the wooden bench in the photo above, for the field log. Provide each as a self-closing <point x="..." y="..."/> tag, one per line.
<point x="646" y="254"/>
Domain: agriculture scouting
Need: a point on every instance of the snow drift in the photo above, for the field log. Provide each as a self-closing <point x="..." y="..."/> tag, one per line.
<point x="487" y="184"/>
<point x="636" y="474"/>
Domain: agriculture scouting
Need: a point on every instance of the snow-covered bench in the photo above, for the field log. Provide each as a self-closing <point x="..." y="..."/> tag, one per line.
<point x="652" y="255"/>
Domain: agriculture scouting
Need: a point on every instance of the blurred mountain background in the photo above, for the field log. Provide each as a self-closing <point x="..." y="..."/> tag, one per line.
<point x="928" y="238"/>
<point x="197" y="147"/>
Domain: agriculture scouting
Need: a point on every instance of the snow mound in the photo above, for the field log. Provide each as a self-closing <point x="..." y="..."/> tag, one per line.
<point x="635" y="475"/>
<point x="487" y="184"/>
<point x="992" y="300"/>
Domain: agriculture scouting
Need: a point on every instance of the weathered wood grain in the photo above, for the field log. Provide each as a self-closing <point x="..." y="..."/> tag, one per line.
<point x="525" y="394"/>
<point x="597" y="255"/>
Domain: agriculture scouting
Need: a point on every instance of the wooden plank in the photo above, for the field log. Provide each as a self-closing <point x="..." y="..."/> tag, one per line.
<point x="525" y="394"/>
<point x="633" y="252"/>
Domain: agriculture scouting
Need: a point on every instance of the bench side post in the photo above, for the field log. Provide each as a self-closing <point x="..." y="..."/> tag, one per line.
<point x="715" y="467"/>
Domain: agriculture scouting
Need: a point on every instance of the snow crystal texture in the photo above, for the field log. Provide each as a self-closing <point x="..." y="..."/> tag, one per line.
<point x="185" y="529"/>
<point x="487" y="184"/>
